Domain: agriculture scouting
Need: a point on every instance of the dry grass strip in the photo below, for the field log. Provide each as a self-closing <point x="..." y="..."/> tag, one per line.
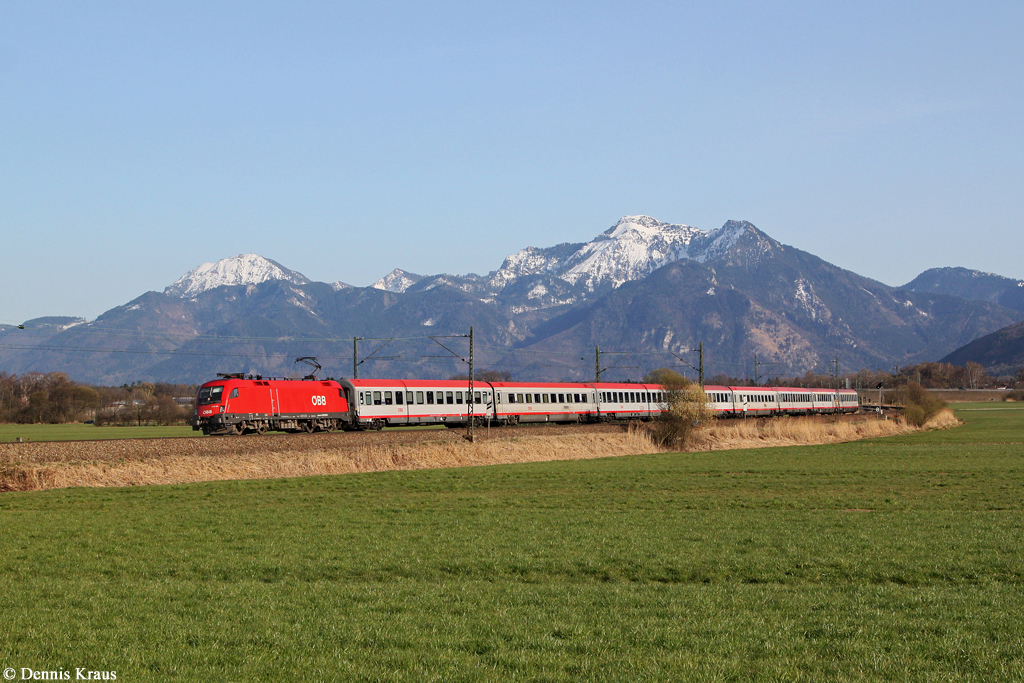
<point x="176" y="469"/>
<point x="186" y="464"/>
<point x="788" y="431"/>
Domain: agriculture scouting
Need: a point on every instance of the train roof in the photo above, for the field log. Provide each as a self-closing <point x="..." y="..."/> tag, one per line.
<point x="463" y="384"/>
<point x="792" y="390"/>
<point x="553" y="385"/>
<point x="446" y="383"/>
<point x="220" y="381"/>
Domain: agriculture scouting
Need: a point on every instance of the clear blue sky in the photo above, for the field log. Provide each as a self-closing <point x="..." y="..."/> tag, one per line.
<point x="346" y="139"/>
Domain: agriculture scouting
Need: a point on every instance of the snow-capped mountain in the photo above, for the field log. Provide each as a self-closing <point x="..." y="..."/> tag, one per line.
<point x="244" y="269"/>
<point x="631" y="249"/>
<point x="535" y="278"/>
<point x="397" y="281"/>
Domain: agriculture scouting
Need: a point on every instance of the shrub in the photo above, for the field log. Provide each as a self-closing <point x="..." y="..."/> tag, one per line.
<point x="686" y="409"/>
<point x="921" y="405"/>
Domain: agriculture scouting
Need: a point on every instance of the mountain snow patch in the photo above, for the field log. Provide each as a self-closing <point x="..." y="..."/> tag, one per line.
<point x="397" y="281"/>
<point x="629" y="250"/>
<point x="528" y="261"/>
<point x="809" y="301"/>
<point x="537" y="292"/>
<point x="244" y="269"/>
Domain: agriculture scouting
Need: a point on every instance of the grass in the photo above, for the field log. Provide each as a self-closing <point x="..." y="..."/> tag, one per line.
<point x="84" y="432"/>
<point x="892" y="559"/>
<point x="87" y="432"/>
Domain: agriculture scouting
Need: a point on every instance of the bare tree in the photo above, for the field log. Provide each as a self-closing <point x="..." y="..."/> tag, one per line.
<point x="975" y="373"/>
<point x="685" y="408"/>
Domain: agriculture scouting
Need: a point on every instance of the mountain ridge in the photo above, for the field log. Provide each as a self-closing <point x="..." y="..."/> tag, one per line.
<point x="736" y="289"/>
<point x="971" y="284"/>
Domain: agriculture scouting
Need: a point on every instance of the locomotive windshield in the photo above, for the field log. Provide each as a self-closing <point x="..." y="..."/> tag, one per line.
<point x="208" y="395"/>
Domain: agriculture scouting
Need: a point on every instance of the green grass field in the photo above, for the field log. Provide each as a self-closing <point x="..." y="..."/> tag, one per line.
<point x="84" y="432"/>
<point x="895" y="559"/>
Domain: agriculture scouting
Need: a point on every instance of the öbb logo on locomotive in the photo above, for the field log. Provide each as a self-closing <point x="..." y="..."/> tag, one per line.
<point x="238" y="404"/>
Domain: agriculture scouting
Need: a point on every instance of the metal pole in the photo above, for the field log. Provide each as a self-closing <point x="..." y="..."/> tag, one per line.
<point x="597" y="363"/>
<point x="700" y="351"/>
<point x="835" y="399"/>
<point x="757" y="378"/>
<point x="896" y="383"/>
<point x="355" y="358"/>
<point x="472" y="430"/>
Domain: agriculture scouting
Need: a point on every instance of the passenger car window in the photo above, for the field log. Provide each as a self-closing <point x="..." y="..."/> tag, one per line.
<point x="430" y="398"/>
<point x="376" y="398"/>
<point x="448" y="397"/>
<point x="387" y="398"/>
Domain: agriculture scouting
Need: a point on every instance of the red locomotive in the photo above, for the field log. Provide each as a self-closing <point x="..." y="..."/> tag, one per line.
<point x="237" y="404"/>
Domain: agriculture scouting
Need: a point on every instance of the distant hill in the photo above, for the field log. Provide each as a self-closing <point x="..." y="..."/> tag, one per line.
<point x="1001" y="352"/>
<point x="651" y="289"/>
<point x="971" y="284"/>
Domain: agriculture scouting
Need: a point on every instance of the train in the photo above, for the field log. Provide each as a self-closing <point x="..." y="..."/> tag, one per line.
<point x="245" y="404"/>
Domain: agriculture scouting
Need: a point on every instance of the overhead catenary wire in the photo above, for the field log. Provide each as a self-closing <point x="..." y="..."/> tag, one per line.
<point x="208" y="338"/>
<point x="509" y="358"/>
